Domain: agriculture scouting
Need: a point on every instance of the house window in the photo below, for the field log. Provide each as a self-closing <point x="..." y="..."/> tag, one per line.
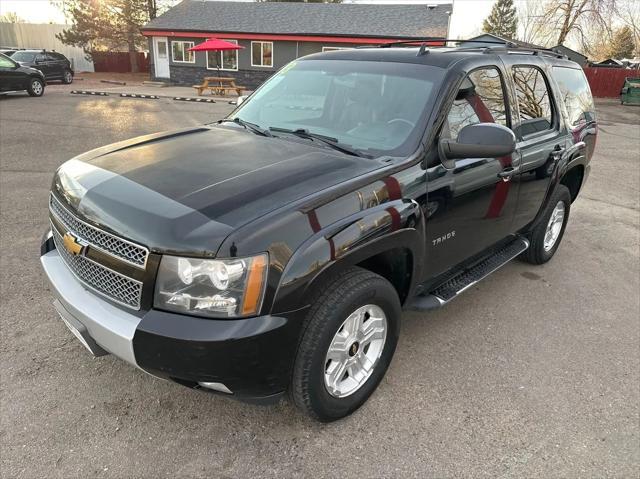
<point x="331" y="49"/>
<point x="225" y="60"/>
<point x="261" y="54"/>
<point x="180" y="52"/>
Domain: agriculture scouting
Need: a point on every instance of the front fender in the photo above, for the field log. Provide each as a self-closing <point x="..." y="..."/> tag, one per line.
<point x="391" y="225"/>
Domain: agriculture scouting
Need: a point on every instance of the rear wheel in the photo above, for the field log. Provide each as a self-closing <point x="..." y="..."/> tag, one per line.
<point x="351" y="334"/>
<point x="35" y="87"/>
<point x="67" y="77"/>
<point x="547" y="235"/>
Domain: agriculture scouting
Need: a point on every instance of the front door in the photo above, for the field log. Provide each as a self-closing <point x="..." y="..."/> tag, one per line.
<point x="10" y="77"/>
<point x="161" y="57"/>
<point x="470" y="207"/>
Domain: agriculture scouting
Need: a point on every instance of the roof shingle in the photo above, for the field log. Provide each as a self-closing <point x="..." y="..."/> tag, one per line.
<point x="282" y="18"/>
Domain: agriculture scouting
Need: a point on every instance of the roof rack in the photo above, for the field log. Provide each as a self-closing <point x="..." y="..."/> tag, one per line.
<point x="506" y="46"/>
<point x="519" y="49"/>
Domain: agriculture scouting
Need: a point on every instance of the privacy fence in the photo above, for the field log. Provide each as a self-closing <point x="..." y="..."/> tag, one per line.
<point x="118" y="62"/>
<point x="607" y="82"/>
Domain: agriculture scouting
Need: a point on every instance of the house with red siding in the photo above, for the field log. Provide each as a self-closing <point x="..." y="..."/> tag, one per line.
<point x="276" y="33"/>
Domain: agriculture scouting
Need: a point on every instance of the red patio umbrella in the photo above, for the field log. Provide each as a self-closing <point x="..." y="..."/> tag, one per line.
<point x="215" y="45"/>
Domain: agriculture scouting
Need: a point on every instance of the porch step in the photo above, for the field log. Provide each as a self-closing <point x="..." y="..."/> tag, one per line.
<point x="463" y="280"/>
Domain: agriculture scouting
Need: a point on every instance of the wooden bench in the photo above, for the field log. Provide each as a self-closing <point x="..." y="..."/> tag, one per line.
<point x="219" y="86"/>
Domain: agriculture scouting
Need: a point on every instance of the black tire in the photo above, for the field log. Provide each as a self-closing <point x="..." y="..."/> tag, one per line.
<point x="67" y="77"/>
<point x="35" y="87"/>
<point x="330" y="307"/>
<point x="537" y="253"/>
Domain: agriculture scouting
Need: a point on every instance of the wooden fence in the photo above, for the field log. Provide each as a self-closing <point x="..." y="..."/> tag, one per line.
<point x="607" y="82"/>
<point x="118" y="62"/>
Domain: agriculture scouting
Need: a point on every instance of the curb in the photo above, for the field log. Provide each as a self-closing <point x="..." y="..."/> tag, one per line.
<point x="85" y="92"/>
<point x="114" y="82"/>
<point x="149" y="97"/>
<point x="136" y="95"/>
<point x="195" y="100"/>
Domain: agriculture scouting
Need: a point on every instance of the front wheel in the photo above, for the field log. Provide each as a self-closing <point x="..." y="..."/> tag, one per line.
<point x="35" y="87"/>
<point x="546" y="235"/>
<point x="351" y="334"/>
<point x="67" y="78"/>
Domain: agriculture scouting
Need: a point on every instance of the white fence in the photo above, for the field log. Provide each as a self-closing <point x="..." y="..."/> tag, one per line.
<point x="42" y="35"/>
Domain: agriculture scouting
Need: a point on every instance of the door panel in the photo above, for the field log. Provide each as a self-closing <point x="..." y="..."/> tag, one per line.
<point x="537" y="128"/>
<point x="42" y="64"/>
<point x="11" y="78"/>
<point x="469" y="207"/>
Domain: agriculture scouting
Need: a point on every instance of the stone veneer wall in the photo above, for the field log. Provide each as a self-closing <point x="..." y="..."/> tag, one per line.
<point x="250" y="79"/>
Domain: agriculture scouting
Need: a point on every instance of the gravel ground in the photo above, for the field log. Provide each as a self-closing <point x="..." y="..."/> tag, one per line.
<point x="532" y="373"/>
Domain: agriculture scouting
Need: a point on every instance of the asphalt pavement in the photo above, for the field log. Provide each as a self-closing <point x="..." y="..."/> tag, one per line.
<point x="535" y="372"/>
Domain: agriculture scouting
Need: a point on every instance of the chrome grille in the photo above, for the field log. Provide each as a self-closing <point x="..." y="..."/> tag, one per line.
<point x="118" y="247"/>
<point x="110" y="284"/>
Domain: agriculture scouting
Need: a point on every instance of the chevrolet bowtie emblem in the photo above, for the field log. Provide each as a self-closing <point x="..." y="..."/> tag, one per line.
<point x="71" y="244"/>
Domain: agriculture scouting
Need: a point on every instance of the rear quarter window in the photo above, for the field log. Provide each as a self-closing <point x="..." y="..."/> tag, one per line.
<point x="575" y="94"/>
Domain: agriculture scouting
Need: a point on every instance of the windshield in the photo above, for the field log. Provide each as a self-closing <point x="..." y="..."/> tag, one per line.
<point x="378" y="108"/>
<point x="23" y="56"/>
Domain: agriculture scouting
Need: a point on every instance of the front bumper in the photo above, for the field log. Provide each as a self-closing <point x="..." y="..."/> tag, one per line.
<point x="252" y="357"/>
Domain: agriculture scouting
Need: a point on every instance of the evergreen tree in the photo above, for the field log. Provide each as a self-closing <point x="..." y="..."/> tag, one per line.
<point x="107" y="25"/>
<point x="503" y="20"/>
<point x="622" y="44"/>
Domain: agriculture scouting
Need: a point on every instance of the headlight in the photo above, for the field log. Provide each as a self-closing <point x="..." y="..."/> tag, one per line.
<point x="211" y="287"/>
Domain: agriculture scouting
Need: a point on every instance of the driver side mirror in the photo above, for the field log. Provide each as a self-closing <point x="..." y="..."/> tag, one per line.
<point x="480" y="140"/>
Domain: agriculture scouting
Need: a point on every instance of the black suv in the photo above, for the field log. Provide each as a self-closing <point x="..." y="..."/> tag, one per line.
<point x="14" y="77"/>
<point x="275" y="250"/>
<point x="54" y="65"/>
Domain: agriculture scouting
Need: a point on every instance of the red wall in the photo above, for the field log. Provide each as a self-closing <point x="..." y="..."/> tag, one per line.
<point x="118" y="62"/>
<point x="607" y="82"/>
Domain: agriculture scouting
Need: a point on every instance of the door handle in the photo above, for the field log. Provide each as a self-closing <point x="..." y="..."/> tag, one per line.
<point x="507" y="173"/>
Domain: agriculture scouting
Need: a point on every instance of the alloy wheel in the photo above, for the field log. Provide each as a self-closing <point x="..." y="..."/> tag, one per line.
<point x="36" y="86"/>
<point x="355" y="350"/>
<point x="554" y="226"/>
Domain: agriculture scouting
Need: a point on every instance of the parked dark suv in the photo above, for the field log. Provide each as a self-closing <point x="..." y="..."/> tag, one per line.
<point x="54" y="65"/>
<point x="14" y="77"/>
<point x="274" y="250"/>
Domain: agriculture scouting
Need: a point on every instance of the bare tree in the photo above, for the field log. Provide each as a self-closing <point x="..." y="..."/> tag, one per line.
<point x="11" y="17"/>
<point x="533" y="26"/>
<point x="569" y="17"/>
<point x="628" y="11"/>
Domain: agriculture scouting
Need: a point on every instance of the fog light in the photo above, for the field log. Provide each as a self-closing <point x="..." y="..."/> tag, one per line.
<point x="216" y="387"/>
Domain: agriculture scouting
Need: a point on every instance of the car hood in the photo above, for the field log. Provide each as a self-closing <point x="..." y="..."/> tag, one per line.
<point x="186" y="191"/>
<point x="24" y="67"/>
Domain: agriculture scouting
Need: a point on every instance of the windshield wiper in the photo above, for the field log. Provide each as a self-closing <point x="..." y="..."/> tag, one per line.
<point x="327" y="140"/>
<point x="248" y="125"/>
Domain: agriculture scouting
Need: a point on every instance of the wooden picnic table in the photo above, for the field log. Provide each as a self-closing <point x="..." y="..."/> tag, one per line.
<point x="219" y="86"/>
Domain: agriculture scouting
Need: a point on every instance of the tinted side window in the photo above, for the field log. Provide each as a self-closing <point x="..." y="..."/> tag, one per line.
<point x="575" y="94"/>
<point x="41" y="57"/>
<point x="480" y="99"/>
<point x="5" y="62"/>
<point x="536" y="113"/>
<point x="52" y="57"/>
